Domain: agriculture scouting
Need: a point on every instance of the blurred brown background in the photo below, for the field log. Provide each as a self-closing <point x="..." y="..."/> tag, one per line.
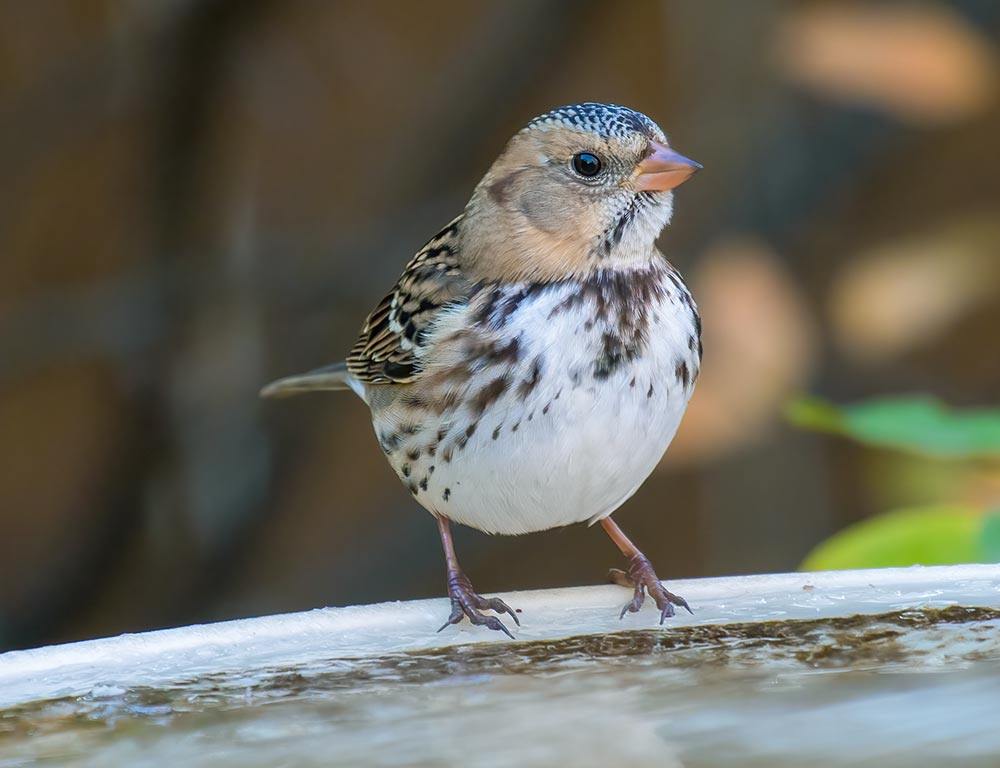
<point x="198" y="197"/>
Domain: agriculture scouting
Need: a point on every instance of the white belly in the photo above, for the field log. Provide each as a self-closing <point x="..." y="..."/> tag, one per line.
<point x="578" y="462"/>
<point x="571" y="448"/>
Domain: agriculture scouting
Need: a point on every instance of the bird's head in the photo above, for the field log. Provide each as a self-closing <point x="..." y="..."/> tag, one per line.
<point x="579" y="188"/>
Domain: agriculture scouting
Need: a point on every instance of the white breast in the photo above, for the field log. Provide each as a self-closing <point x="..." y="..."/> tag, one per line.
<point x="569" y="440"/>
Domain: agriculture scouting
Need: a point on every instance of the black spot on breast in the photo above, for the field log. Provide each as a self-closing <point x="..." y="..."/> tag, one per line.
<point x="423" y="484"/>
<point x="501" y="304"/>
<point x="528" y="385"/>
<point x="406" y="470"/>
<point x="682" y="373"/>
<point x="413" y="454"/>
<point x="496" y="433"/>
<point x="509" y="307"/>
<point x="649" y="394"/>
<point x="495" y="353"/>
<point x="482" y="317"/>
<point x="447" y="494"/>
<point x="470" y="431"/>
<point x="389" y="442"/>
<point x="615" y="352"/>
<point x="545" y="410"/>
<point x="567" y="304"/>
<point x="450" y="398"/>
<point x="489" y="394"/>
<point x="412" y="488"/>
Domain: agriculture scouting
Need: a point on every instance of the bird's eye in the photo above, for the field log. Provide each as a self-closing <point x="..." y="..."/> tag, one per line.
<point x="587" y="164"/>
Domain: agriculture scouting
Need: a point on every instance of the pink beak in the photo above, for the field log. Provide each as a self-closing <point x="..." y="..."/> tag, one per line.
<point x="663" y="169"/>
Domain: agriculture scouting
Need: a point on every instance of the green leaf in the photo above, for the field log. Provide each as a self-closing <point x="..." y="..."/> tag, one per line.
<point x="989" y="536"/>
<point x="912" y="423"/>
<point x="934" y="535"/>
<point x="814" y="413"/>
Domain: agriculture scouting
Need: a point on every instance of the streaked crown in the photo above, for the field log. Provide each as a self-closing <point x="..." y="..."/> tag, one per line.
<point x="606" y="120"/>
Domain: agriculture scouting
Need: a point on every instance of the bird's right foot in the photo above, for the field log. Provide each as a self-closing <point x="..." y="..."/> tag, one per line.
<point x="467" y="604"/>
<point x="641" y="577"/>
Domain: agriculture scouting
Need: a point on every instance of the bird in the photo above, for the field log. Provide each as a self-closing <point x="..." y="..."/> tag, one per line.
<point x="531" y="365"/>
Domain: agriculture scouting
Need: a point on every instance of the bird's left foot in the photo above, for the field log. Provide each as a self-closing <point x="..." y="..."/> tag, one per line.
<point x="643" y="578"/>
<point x="466" y="603"/>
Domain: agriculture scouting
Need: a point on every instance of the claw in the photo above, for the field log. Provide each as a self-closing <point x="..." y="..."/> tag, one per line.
<point x="498" y="605"/>
<point x="465" y="603"/>
<point x="456" y="616"/>
<point x="679" y="601"/>
<point x="494" y="623"/>
<point x="642" y="577"/>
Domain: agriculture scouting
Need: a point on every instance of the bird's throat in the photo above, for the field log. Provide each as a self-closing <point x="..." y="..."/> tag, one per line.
<point x="524" y="252"/>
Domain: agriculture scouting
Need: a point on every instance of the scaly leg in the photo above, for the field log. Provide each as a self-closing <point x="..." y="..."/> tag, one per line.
<point x="641" y="576"/>
<point x="465" y="603"/>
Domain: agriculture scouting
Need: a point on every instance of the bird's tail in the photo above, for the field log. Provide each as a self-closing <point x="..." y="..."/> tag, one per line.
<point x="329" y="377"/>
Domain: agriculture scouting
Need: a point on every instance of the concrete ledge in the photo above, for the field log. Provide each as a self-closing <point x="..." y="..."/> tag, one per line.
<point x="356" y="632"/>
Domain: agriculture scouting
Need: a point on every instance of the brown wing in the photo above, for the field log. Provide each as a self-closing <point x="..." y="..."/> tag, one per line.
<point x="388" y="349"/>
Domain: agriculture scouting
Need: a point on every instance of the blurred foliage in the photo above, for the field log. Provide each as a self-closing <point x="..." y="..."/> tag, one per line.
<point x="967" y="441"/>
<point x="931" y="535"/>
<point x="913" y="423"/>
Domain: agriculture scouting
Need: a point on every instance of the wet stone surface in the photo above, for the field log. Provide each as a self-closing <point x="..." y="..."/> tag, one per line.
<point x="904" y="688"/>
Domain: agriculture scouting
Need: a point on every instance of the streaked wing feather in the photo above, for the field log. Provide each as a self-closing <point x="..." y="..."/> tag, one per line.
<point x="389" y="347"/>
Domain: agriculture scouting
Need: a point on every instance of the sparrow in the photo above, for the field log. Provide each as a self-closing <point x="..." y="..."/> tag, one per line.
<point x="531" y="365"/>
